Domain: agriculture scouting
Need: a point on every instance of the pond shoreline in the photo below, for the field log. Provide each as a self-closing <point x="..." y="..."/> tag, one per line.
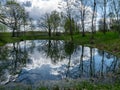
<point x="109" y="42"/>
<point x="99" y="43"/>
<point x="79" y="84"/>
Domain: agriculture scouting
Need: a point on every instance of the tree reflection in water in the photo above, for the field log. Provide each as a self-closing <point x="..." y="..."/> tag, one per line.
<point x="32" y="61"/>
<point x="14" y="59"/>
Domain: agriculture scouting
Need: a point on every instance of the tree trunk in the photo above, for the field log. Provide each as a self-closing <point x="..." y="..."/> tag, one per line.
<point x="83" y="29"/>
<point x="104" y="17"/>
<point x="92" y="36"/>
<point x="24" y="30"/>
<point x="83" y="23"/>
<point x="49" y="28"/>
<point x="71" y="33"/>
<point x="13" y="33"/>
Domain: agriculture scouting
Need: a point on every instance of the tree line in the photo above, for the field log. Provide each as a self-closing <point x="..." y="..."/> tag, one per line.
<point x="78" y="15"/>
<point x="74" y="16"/>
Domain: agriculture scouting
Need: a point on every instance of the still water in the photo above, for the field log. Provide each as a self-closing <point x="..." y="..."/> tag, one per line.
<point x="30" y="62"/>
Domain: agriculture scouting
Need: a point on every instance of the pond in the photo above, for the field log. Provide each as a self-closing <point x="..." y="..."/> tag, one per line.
<point x="32" y="61"/>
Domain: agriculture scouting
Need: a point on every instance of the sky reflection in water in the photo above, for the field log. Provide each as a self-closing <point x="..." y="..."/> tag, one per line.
<point x="32" y="61"/>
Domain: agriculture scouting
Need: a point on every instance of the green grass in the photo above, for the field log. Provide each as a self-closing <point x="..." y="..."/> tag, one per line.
<point x="80" y="86"/>
<point x="91" y="86"/>
<point x="109" y="42"/>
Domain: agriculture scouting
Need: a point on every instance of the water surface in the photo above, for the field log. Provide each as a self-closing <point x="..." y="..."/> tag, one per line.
<point x="30" y="62"/>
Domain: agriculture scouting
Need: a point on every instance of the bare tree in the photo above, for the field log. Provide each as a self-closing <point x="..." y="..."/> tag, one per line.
<point x="12" y="16"/>
<point x="82" y="6"/>
<point x="45" y="23"/>
<point x="68" y="12"/>
<point x="55" y="20"/>
<point x="93" y="17"/>
<point x="116" y="12"/>
<point x="25" y="20"/>
<point x="103" y="4"/>
<point x="70" y="17"/>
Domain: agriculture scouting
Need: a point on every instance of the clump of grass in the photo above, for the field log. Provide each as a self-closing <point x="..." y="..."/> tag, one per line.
<point x="42" y="88"/>
<point x="92" y="86"/>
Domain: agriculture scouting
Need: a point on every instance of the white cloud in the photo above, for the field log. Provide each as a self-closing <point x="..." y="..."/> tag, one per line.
<point x="41" y="6"/>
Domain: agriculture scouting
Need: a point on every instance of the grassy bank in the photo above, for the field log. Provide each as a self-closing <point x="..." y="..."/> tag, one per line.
<point x="78" y="86"/>
<point x="109" y="42"/>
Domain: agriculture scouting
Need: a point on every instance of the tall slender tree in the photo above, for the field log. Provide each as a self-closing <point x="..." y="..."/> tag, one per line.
<point x="68" y="14"/>
<point x="103" y="4"/>
<point x="116" y="12"/>
<point x="93" y="17"/>
<point x="45" y="23"/>
<point x="55" y="20"/>
<point x="82" y="6"/>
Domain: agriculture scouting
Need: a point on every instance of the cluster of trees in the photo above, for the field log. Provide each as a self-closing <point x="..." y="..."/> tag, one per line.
<point x="49" y="22"/>
<point x="108" y="12"/>
<point x="13" y="15"/>
<point x="110" y="15"/>
<point x="74" y="16"/>
<point x="77" y="15"/>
